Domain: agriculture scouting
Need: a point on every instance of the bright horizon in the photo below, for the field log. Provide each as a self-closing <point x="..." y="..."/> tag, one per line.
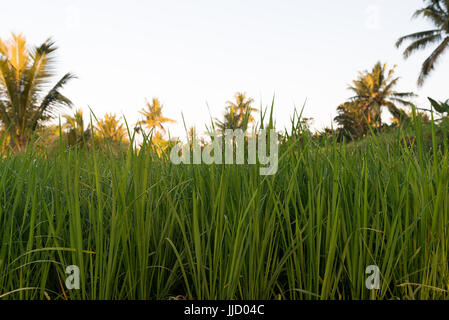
<point x="192" y="56"/>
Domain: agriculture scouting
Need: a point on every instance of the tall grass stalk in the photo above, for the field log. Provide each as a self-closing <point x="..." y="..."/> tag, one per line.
<point x="140" y="227"/>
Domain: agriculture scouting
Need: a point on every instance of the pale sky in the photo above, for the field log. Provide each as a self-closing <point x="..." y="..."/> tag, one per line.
<point x="196" y="53"/>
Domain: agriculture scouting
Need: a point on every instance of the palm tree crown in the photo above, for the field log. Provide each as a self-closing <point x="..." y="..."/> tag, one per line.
<point x="373" y="90"/>
<point x="437" y="12"/>
<point x="153" y="116"/>
<point x="74" y="122"/>
<point x="25" y="74"/>
<point x="236" y="111"/>
<point x="110" y="129"/>
<point x="74" y="127"/>
<point x="241" y="105"/>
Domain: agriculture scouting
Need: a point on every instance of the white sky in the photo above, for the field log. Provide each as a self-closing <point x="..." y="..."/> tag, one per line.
<point x="189" y="53"/>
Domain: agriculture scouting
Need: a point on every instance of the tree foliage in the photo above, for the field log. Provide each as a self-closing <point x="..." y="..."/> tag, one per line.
<point x="437" y="13"/>
<point x="373" y="91"/>
<point x="26" y="100"/>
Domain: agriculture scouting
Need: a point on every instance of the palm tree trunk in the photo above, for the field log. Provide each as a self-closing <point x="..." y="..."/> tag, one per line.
<point x="21" y="142"/>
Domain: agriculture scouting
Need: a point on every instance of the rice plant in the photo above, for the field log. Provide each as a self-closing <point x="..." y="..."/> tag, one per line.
<point x="140" y="227"/>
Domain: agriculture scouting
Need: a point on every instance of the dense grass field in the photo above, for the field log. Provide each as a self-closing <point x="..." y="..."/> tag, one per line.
<point x="142" y="228"/>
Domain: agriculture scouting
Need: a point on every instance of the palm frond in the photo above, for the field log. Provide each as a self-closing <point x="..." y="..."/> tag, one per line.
<point x="430" y="62"/>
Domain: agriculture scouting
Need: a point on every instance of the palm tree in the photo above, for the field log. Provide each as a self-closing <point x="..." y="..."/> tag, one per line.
<point x="160" y="144"/>
<point x="437" y="12"/>
<point x="242" y="105"/>
<point x="236" y="112"/>
<point x="230" y="120"/>
<point x="154" y="119"/>
<point x="74" y="126"/>
<point x="193" y="137"/>
<point x="24" y="76"/>
<point x="110" y="129"/>
<point x="373" y="90"/>
<point x="350" y="119"/>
